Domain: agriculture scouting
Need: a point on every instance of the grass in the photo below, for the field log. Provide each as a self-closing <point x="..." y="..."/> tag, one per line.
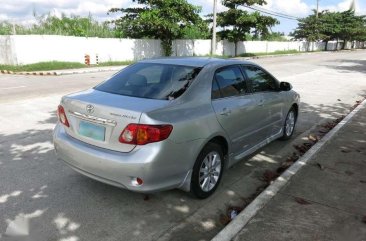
<point x="42" y="66"/>
<point x="57" y="65"/>
<point x="279" y="52"/>
<point x="117" y="63"/>
<point x="214" y="56"/>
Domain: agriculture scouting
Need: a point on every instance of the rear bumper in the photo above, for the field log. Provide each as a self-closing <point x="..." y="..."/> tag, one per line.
<point x="162" y="166"/>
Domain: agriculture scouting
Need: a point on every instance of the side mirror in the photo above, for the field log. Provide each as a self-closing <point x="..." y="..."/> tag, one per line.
<point x="285" y="86"/>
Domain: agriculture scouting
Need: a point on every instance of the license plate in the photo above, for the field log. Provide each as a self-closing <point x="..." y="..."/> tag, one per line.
<point x="92" y="131"/>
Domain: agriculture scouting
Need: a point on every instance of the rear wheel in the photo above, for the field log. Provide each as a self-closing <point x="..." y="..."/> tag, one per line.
<point x="290" y="123"/>
<point x="207" y="171"/>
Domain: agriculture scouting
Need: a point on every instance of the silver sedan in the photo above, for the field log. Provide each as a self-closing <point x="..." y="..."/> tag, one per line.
<point x="173" y="123"/>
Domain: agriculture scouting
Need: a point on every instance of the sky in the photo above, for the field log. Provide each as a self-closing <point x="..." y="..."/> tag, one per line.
<point x="21" y="11"/>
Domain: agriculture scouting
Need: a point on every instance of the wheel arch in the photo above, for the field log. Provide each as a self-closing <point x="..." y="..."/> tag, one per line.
<point x="217" y="138"/>
<point x="224" y="143"/>
<point x="296" y="108"/>
<point x="212" y="144"/>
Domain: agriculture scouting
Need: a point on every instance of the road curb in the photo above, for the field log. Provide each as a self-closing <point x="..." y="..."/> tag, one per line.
<point x="27" y="73"/>
<point x="296" y="54"/>
<point x="280" y="55"/>
<point x="235" y="226"/>
<point x="6" y="72"/>
<point x="37" y="73"/>
<point x="64" y="72"/>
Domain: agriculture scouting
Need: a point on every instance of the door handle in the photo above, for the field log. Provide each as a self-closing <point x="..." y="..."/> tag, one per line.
<point x="225" y="112"/>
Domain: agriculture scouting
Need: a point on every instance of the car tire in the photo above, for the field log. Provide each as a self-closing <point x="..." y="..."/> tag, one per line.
<point x="290" y="123"/>
<point x="207" y="171"/>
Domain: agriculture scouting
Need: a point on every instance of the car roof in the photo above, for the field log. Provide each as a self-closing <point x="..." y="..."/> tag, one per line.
<point x="194" y="61"/>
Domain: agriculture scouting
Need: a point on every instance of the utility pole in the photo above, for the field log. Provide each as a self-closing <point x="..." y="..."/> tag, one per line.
<point x="317" y="19"/>
<point x="14" y="29"/>
<point x="353" y="6"/>
<point x="213" y="41"/>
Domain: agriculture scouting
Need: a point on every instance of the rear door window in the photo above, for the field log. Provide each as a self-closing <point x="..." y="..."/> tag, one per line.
<point x="152" y="81"/>
<point x="228" y="81"/>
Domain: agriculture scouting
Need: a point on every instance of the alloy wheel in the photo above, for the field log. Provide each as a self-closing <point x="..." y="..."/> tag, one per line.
<point x="210" y="171"/>
<point x="290" y="123"/>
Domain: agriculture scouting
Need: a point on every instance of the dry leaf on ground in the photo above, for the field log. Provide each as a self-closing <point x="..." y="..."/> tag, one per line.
<point x="320" y="166"/>
<point x="301" y="201"/>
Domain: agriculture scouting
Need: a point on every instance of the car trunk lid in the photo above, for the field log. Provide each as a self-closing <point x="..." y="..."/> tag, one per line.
<point x="98" y="118"/>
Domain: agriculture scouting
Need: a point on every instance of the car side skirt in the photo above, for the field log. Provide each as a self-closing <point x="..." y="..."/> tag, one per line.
<point x="240" y="156"/>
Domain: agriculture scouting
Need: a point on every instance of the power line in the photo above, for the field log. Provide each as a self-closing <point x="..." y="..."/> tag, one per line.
<point x="274" y="13"/>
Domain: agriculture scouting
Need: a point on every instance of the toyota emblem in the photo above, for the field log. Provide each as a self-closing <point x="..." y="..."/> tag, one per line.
<point x="89" y="109"/>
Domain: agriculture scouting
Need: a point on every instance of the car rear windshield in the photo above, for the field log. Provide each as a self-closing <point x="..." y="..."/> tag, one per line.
<point x="150" y="80"/>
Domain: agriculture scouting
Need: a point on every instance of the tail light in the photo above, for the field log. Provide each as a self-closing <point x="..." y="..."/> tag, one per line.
<point x="137" y="134"/>
<point x="62" y="116"/>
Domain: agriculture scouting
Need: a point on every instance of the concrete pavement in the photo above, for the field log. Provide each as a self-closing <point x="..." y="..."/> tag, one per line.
<point x="25" y="88"/>
<point x="326" y="199"/>
<point x="60" y="204"/>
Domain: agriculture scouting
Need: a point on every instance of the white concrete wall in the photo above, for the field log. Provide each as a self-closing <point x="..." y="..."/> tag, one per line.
<point x="228" y="48"/>
<point x="220" y="48"/>
<point x="38" y="48"/>
<point x="7" y="56"/>
<point x="183" y="48"/>
<point x="268" y="47"/>
<point x="331" y="45"/>
<point x="252" y="47"/>
<point x="26" y="49"/>
<point x="201" y="47"/>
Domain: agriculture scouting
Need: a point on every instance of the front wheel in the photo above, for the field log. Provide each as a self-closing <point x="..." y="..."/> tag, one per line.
<point x="289" y="126"/>
<point x="207" y="171"/>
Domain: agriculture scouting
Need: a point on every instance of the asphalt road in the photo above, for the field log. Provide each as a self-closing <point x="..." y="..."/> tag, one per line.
<point x="59" y="204"/>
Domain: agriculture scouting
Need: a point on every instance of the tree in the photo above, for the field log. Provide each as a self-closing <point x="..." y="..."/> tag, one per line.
<point x="344" y="26"/>
<point x="194" y="32"/>
<point x="238" y="23"/>
<point x="71" y="25"/>
<point x="263" y="23"/>
<point x="332" y="26"/>
<point x="275" y="36"/>
<point x="65" y="25"/>
<point x="352" y="27"/>
<point x="160" y="19"/>
<point x="310" y="28"/>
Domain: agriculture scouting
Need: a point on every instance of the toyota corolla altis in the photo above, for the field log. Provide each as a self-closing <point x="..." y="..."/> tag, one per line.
<point x="173" y="123"/>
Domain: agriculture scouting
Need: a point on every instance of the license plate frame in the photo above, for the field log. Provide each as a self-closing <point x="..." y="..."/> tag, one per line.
<point x="92" y="131"/>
